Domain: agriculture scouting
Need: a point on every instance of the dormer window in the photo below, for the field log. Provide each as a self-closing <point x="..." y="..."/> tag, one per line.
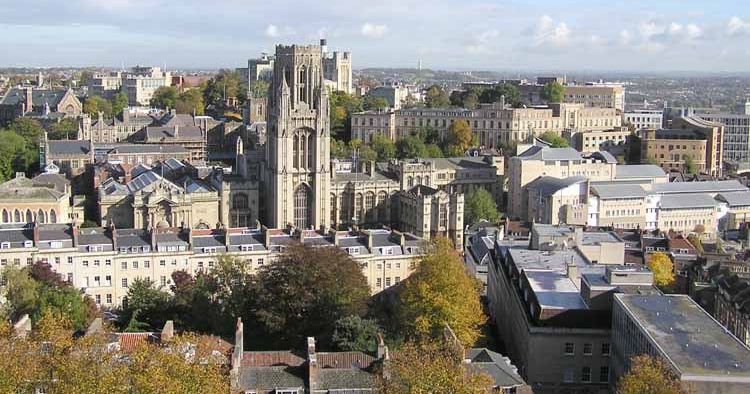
<point x="209" y="250"/>
<point x="56" y="244"/>
<point x="354" y="250"/>
<point x="5" y="245"/>
<point x="28" y="244"/>
<point x="246" y="248"/>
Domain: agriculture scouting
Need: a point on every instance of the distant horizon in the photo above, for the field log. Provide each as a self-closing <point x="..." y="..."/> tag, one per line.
<point x="503" y="35"/>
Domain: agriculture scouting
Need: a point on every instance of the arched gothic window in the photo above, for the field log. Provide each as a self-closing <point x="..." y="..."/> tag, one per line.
<point x="29" y="216"/>
<point x="369" y="205"/>
<point x="302" y="202"/>
<point x="6" y="217"/>
<point x="40" y="216"/>
<point x="17" y="216"/>
<point x="52" y="216"/>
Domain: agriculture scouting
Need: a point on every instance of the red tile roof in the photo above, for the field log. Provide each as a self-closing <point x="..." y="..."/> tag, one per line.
<point x="131" y="340"/>
<point x="345" y="360"/>
<point x="273" y="358"/>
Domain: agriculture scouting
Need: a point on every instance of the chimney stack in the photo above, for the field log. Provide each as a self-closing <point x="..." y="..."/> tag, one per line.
<point x="167" y="333"/>
<point x="29" y="103"/>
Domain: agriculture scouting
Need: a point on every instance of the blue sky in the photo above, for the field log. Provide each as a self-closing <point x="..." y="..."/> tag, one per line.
<point x="630" y="35"/>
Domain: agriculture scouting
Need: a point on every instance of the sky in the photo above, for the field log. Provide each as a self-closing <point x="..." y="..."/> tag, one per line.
<point x="497" y="35"/>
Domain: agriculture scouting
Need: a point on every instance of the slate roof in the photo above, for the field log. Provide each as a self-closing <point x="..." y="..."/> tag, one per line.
<point x="692" y="340"/>
<point x="23" y="188"/>
<point x="503" y="373"/>
<point x="548" y="185"/>
<point x="147" y="148"/>
<point x="55" y="181"/>
<point x="271" y="378"/>
<point x="339" y="378"/>
<point x="544" y="153"/>
<point x="39" y="97"/>
<point x="691" y="200"/>
<point x="68" y="148"/>
<point x="698" y="187"/>
<point x="638" y="171"/>
<point x="94" y="236"/>
<point x="615" y="191"/>
<point x="735" y="199"/>
<point x="159" y="133"/>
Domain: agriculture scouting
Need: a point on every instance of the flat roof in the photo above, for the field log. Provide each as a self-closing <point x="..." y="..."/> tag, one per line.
<point x="694" y="342"/>
<point x="618" y="190"/>
<point x="698" y="187"/>
<point x="554" y="291"/>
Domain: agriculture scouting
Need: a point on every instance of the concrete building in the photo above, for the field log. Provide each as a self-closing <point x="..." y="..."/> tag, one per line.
<point x="736" y="133"/>
<point x="395" y="94"/>
<point x="139" y="83"/>
<point x="494" y="125"/>
<point x="337" y="69"/>
<point x="558" y="201"/>
<point x="688" y="139"/>
<point x="699" y="351"/>
<point x="596" y="95"/>
<point x="428" y="213"/>
<point x="734" y="209"/>
<point x="560" y="163"/>
<point x="552" y="307"/>
<point x="608" y="140"/>
<point x="644" y="118"/>
<point x="257" y="69"/>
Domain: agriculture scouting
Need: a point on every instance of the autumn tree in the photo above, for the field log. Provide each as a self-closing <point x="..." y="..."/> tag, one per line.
<point x="459" y="138"/>
<point x="661" y="265"/>
<point x="554" y="140"/>
<point x="436" y="97"/>
<point x="190" y="102"/>
<point x="225" y="84"/>
<point x="648" y="375"/>
<point x="696" y="242"/>
<point x="353" y="333"/>
<point x="95" y="104"/>
<point x="305" y="291"/>
<point x="480" y="205"/>
<point x="441" y="292"/>
<point x="553" y="92"/>
<point x="430" y="367"/>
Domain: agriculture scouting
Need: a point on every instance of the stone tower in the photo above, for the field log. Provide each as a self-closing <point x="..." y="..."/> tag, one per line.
<point x="298" y="141"/>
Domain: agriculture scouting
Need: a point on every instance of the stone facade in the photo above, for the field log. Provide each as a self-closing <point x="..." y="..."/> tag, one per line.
<point x="428" y="213"/>
<point x="694" y="138"/>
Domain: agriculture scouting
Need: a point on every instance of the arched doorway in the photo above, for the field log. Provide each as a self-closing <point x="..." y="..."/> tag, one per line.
<point x="302" y="210"/>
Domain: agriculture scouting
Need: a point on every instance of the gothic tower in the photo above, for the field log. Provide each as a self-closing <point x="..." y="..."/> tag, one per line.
<point x="298" y="141"/>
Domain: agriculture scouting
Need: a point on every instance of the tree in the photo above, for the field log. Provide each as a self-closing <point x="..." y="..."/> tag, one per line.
<point x="383" y="147"/>
<point x="428" y="135"/>
<point x="144" y="307"/>
<point x="305" y="291"/>
<point x="190" y="102"/>
<point x="433" y="151"/>
<point x="496" y="94"/>
<point x="16" y="155"/>
<point x="553" y="92"/>
<point x="441" y="292"/>
<point x="366" y="153"/>
<point x="353" y="333"/>
<point x="410" y="147"/>
<point x="480" y="205"/>
<point x="95" y="104"/>
<point x="648" y="375"/>
<point x="119" y="103"/>
<point x="342" y="106"/>
<point x="259" y="88"/>
<point x="436" y="97"/>
<point x="661" y="265"/>
<point x="63" y="129"/>
<point x="459" y="138"/>
<point x="165" y="97"/>
<point x="374" y="103"/>
<point x="225" y="84"/>
<point x="424" y="368"/>
<point x="554" y="140"/>
<point x="696" y="242"/>
<point x="29" y="129"/>
<point x="20" y="293"/>
<point x="689" y="165"/>
<point x="339" y="149"/>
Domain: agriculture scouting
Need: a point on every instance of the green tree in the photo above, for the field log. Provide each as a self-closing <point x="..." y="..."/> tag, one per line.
<point x="145" y="306"/>
<point x="30" y="129"/>
<point x="339" y="149"/>
<point x="410" y="147"/>
<point x="366" y="153"/>
<point x="65" y="302"/>
<point x="165" y="97"/>
<point x="648" y="375"/>
<point x="428" y="135"/>
<point x="459" y="138"/>
<point x="430" y="367"/>
<point x="342" y="106"/>
<point x="433" y="151"/>
<point x="259" y="88"/>
<point x="441" y="292"/>
<point x="63" y="129"/>
<point x="21" y="293"/>
<point x="509" y="92"/>
<point x="305" y="291"/>
<point x="374" y="103"/>
<point x="480" y="205"/>
<point x="553" y="92"/>
<point x="554" y="140"/>
<point x="95" y="104"/>
<point x="190" y="101"/>
<point x="16" y="155"/>
<point x="353" y="333"/>
<point x="689" y="165"/>
<point x="696" y="242"/>
<point x="119" y="103"/>
<point x="383" y="147"/>
<point x="83" y="78"/>
<point x="225" y="84"/>
<point x="663" y="268"/>
<point x="436" y="97"/>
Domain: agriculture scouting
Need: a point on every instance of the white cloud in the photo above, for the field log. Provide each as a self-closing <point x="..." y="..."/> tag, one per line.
<point x="626" y="37"/>
<point x="598" y="40"/>
<point x="548" y="32"/>
<point x="272" y="31"/>
<point x="737" y="26"/>
<point x="371" y="30"/>
<point x="481" y="43"/>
